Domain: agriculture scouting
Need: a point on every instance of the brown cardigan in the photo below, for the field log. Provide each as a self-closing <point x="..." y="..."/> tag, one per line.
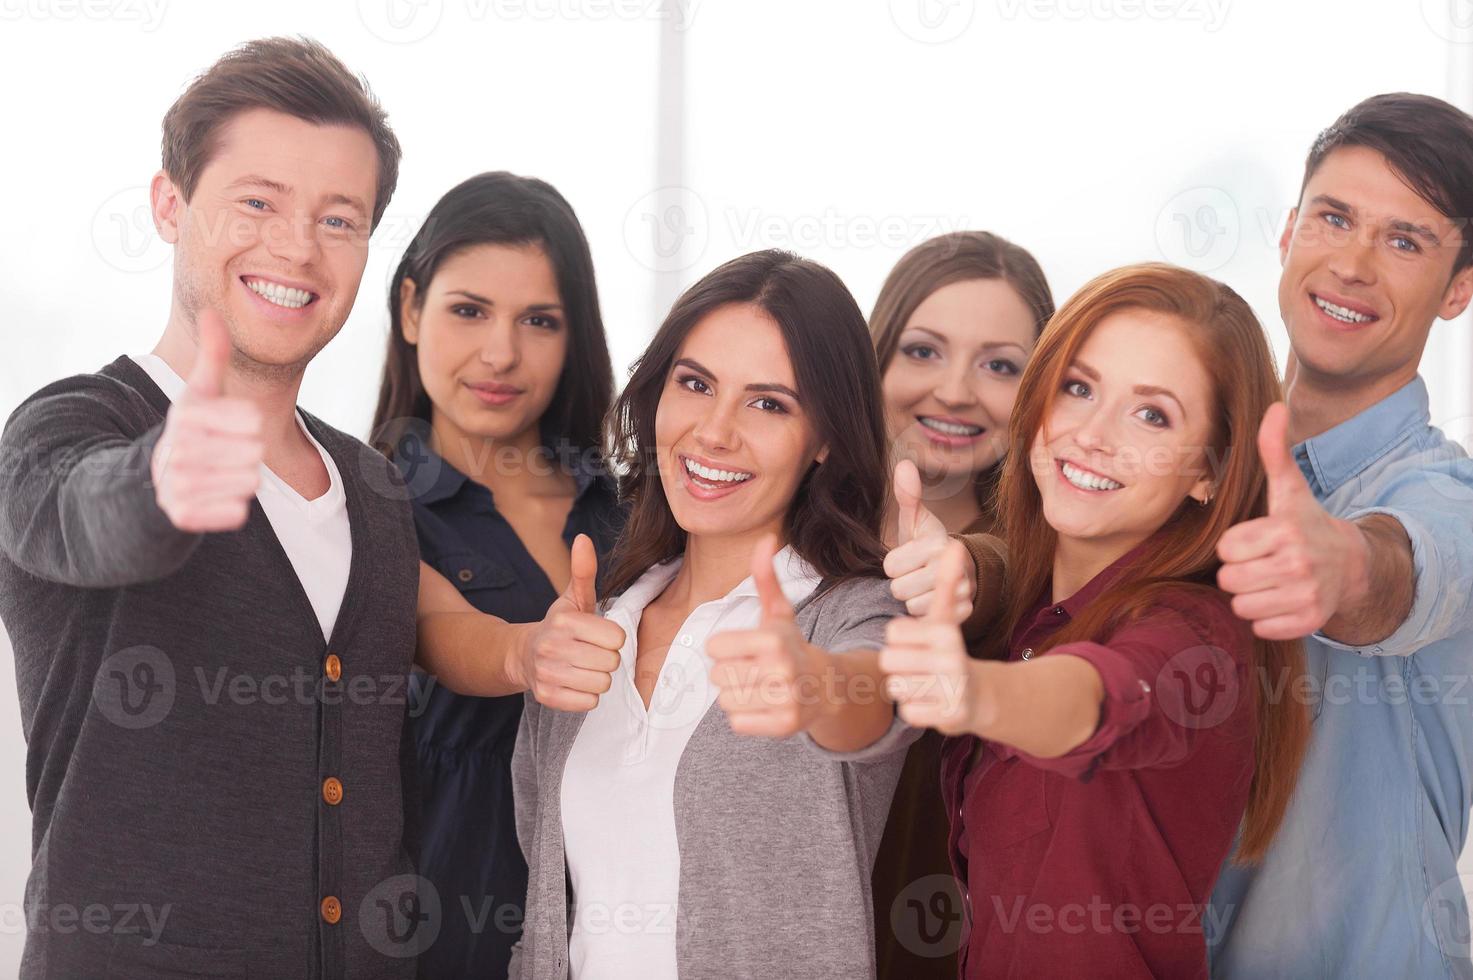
<point x="918" y="905"/>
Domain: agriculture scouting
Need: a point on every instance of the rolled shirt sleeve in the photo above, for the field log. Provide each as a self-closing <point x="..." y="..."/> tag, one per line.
<point x="1169" y="678"/>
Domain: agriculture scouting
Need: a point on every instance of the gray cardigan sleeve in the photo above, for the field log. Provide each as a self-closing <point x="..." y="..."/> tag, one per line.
<point x="524" y="799"/>
<point x="852" y="616"/>
<point x="77" y="502"/>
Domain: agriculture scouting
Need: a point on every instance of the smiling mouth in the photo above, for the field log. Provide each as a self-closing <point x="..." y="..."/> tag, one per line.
<point x="1085" y="480"/>
<point x="1343" y="314"/>
<point x="954" y="430"/>
<point x="287" y="297"/>
<point x="711" y="478"/>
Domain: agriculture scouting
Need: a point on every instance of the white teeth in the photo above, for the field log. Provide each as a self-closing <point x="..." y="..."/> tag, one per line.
<point x="951" y="428"/>
<point x="1088" y="481"/>
<point x="715" y="475"/>
<point x="1341" y="313"/>
<point x="292" y="299"/>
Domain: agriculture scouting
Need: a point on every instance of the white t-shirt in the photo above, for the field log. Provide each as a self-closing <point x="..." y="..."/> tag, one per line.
<point x="618" y="787"/>
<point x="313" y="533"/>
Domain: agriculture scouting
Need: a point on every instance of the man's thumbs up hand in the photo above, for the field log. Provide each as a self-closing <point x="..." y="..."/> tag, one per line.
<point x="1291" y="570"/>
<point x="206" y="466"/>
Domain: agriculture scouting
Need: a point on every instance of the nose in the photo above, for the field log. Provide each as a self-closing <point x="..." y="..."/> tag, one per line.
<point x="293" y="239"/>
<point x="716" y="429"/>
<point x="957" y="388"/>
<point x="1093" y="432"/>
<point x="501" y="345"/>
<point x="1352" y="261"/>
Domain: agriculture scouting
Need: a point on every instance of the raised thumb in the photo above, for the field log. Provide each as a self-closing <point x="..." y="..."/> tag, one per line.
<point x="581" y="590"/>
<point x="1285" y="482"/>
<point x="775" y="605"/>
<point x="207" y="377"/>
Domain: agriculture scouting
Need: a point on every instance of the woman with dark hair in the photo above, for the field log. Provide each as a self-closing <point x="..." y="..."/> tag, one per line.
<point x="953" y="327"/>
<point x="1127" y="743"/>
<point x="494" y="391"/>
<point x="750" y="438"/>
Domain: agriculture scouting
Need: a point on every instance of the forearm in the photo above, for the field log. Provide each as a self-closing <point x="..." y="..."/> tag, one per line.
<point x="87" y="516"/>
<point x="855" y="712"/>
<point x="466" y="650"/>
<point x="472" y="653"/>
<point x="1044" y="707"/>
<point x="1381" y="582"/>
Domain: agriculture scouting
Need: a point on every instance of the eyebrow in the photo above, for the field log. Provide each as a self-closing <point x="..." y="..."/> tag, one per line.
<point x="989" y="345"/>
<point x="476" y="297"/>
<point x="767" y="386"/>
<point x="1155" y="390"/>
<point x="266" y="183"/>
<point x="1396" y="224"/>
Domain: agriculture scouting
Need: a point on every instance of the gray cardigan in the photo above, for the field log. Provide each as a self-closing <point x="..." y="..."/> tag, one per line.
<point x="179" y="722"/>
<point x="777" y="837"/>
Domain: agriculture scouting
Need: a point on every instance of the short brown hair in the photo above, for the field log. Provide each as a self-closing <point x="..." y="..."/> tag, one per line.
<point x="296" y="76"/>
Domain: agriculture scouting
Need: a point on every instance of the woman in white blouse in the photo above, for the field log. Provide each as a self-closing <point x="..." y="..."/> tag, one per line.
<point x="752" y="421"/>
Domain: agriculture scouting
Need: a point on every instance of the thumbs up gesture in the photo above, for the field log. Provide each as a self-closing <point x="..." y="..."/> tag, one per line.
<point x="911" y="564"/>
<point x="206" y="465"/>
<point x="768" y="678"/>
<point x="927" y="670"/>
<point x="1289" y="571"/>
<point x="569" y="658"/>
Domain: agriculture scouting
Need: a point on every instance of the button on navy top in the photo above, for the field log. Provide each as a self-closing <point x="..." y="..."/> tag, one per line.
<point x="463" y="745"/>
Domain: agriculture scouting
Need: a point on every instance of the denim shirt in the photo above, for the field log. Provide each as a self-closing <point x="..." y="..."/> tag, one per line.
<point x="1362" y="880"/>
<point x="463" y="745"/>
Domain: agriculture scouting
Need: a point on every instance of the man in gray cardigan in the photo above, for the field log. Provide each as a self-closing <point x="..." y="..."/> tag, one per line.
<point x="211" y="596"/>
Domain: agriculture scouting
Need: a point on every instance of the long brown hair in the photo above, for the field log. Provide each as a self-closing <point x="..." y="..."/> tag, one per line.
<point x="833" y="522"/>
<point x="1230" y="341"/>
<point x="941" y="261"/>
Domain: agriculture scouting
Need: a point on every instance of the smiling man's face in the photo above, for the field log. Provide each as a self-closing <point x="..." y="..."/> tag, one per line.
<point x="275" y="235"/>
<point x="1368" y="265"/>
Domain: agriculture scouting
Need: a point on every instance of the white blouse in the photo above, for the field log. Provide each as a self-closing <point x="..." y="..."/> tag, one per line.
<point x="618" y="785"/>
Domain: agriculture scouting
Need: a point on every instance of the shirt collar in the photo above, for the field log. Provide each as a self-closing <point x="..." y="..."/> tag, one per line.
<point x="795" y="577"/>
<point x="1091" y="590"/>
<point x="1343" y="452"/>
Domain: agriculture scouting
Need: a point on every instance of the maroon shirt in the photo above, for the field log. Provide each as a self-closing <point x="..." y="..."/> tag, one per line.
<point x="1100" y="863"/>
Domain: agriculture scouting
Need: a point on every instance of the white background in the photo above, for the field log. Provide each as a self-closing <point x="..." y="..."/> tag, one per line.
<point x="1093" y="132"/>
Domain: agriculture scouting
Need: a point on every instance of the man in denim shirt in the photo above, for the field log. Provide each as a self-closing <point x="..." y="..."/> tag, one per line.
<point x="1367" y="551"/>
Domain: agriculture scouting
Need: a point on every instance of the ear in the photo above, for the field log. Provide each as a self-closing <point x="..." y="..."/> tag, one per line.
<point x="409" y="311"/>
<point x="1288" y="236"/>
<point x="1459" y="292"/>
<point x="821" y="455"/>
<point x="167" y="206"/>
<point x="1202" y="491"/>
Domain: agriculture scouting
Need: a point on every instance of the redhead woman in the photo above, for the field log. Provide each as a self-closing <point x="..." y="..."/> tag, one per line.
<point x="1098" y="776"/>
<point x="953" y="328"/>
<point x="716" y="813"/>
